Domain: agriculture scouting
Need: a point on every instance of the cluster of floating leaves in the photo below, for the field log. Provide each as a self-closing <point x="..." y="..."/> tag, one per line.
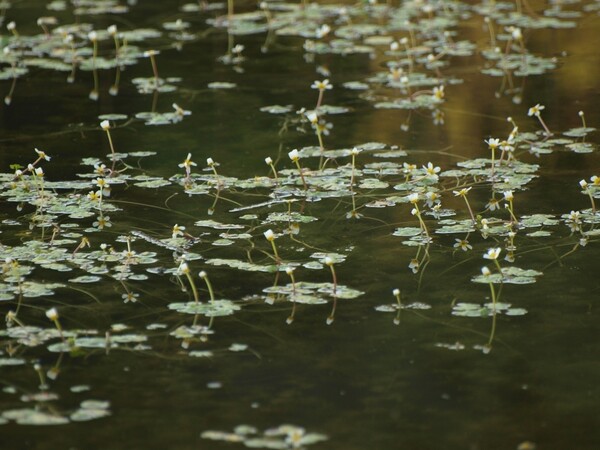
<point x="281" y="437"/>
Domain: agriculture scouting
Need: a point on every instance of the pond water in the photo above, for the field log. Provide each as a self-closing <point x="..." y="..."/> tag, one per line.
<point x="403" y="281"/>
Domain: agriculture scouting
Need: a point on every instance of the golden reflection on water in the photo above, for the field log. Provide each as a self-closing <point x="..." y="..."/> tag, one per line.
<point x="477" y="108"/>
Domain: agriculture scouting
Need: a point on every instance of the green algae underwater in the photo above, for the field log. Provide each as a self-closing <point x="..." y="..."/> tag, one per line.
<point x="299" y="225"/>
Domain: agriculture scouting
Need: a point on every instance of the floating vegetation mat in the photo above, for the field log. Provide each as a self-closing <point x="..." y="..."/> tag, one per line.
<point x="159" y="240"/>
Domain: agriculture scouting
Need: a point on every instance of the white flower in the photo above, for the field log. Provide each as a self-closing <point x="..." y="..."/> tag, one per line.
<point x="431" y="170"/>
<point x="493" y="144"/>
<point x="574" y="216"/>
<point x="202" y="274"/>
<point x="492" y="205"/>
<point x="130" y="297"/>
<point x="505" y="145"/>
<point x="268" y="161"/>
<point x="328" y="261"/>
<point x="408" y="168"/>
<point x="432" y="198"/>
<point x="112" y="30"/>
<point x="52" y="314"/>
<point x="355" y="151"/>
<point x="188" y="162"/>
<point x="322" y="85"/>
<point x="210" y="162"/>
<point x="289" y="270"/>
<point x="394" y="46"/>
<point x="583" y="184"/>
<point x="183" y="269"/>
<point x="508" y="196"/>
<point x="94" y="196"/>
<point x="322" y="31"/>
<point x="535" y="110"/>
<point x="492" y="253"/>
<point x="180" y="111"/>
<point x="413" y="198"/>
<point x="92" y="36"/>
<point x="396" y="292"/>
<point x="11" y="26"/>
<point x="39" y="172"/>
<point x="269" y="235"/>
<point x="149" y="53"/>
<point x="105" y="125"/>
<point x="463" y="244"/>
<point x="312" y="117"/>
<point x="463" y="192"/>
<point x="42" y="154"/>
<point x="177" y="231"/>
<point x="294" y="155"/>
<point x="438" y="92"/>
<point x="485" y="271"/>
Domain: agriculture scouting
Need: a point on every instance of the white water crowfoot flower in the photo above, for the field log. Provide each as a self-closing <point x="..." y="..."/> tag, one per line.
<point x="270" y="236"/>
<point x="431" y="171"/>
<point x="105" y="125"/>
<point x="573" y="220"/>
<point x="492" y="254"/>
<point x="295" y="157"/>
<point x="586" y="190"/>
<point x="493" y="144"/>
<point x="507" y="149"/>
<point x="204" y="276"/>
<point x="269" y="162"/>
<point x="130" y="297"/>
<point x="438" y="92"/>
<point x="180" y="111"/>
<point x="322" y="86"/>
<point x="463" y="244"/>
<point x="213" y="165"/>
<point x="52" y="315"/>
<point x="463" y="193"/>
<point x="432" y="199"/>
<point x="414" y="200"/>
<point x="537" y="112"/>
<point x="41" y="155"/>
<point x="102" y="222"/>
<point x="487" y="274"/>
<point x="396" y="293"/>
<point x="177" y="231"/>
<point x="187" y="165"/>
<point x="508" y="196"/>
<point x="184" y="269"/>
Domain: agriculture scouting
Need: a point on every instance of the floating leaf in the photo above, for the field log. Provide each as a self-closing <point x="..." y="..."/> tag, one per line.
<point x="212" y="309"/>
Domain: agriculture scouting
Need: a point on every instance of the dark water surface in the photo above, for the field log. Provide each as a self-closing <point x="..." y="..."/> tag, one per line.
<point x="432" y="381"/>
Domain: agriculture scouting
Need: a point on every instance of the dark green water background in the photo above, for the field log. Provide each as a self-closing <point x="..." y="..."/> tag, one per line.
<point x="363" y="381"/>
